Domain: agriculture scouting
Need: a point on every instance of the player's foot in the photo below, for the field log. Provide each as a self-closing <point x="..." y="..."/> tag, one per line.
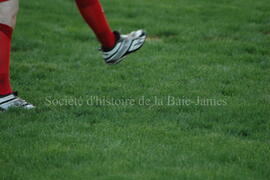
<point x="125" y="45"/>
<point x="12" y="100"/>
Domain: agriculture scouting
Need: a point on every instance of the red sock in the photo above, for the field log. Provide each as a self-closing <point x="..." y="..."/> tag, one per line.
<point x="93" y="14"/>
<point x="5" y="42"/>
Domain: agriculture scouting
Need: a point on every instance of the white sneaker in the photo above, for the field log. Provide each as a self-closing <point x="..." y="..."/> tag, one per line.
<point x="125" y="45"/>
<point x="12" y="100"/>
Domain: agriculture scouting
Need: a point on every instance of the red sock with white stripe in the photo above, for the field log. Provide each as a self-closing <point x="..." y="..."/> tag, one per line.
<point x="5" y="43"/>
<point x="93" y="14"/>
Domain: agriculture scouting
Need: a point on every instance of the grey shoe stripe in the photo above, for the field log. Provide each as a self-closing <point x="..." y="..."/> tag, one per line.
<point x="6" y="98"/>
<point x="8" y="104"/>
<point x="119" y="52"/>
<point x="7" y="101"/>
<point x="116" y="47"/>
<point x="136" y="44"/>
<point x="127" y="50"/>
<point x="113" y="53"/>
<point x="127" y="44"/>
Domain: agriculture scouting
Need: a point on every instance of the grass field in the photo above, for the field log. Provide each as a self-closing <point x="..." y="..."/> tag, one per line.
<point x="217" y="51"/>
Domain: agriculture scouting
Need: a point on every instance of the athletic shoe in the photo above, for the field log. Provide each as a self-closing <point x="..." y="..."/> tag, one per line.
<point x="125" y="45"/>
<point x="12" y="100"/>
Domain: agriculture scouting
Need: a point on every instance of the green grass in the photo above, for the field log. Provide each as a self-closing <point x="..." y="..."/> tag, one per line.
<point x="210" y="49"/>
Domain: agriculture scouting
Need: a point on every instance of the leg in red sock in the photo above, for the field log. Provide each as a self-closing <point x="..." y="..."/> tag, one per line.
<point x="93" y="14"/>
<point x="5" y="38"/>
<point x="8" y="12"/>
